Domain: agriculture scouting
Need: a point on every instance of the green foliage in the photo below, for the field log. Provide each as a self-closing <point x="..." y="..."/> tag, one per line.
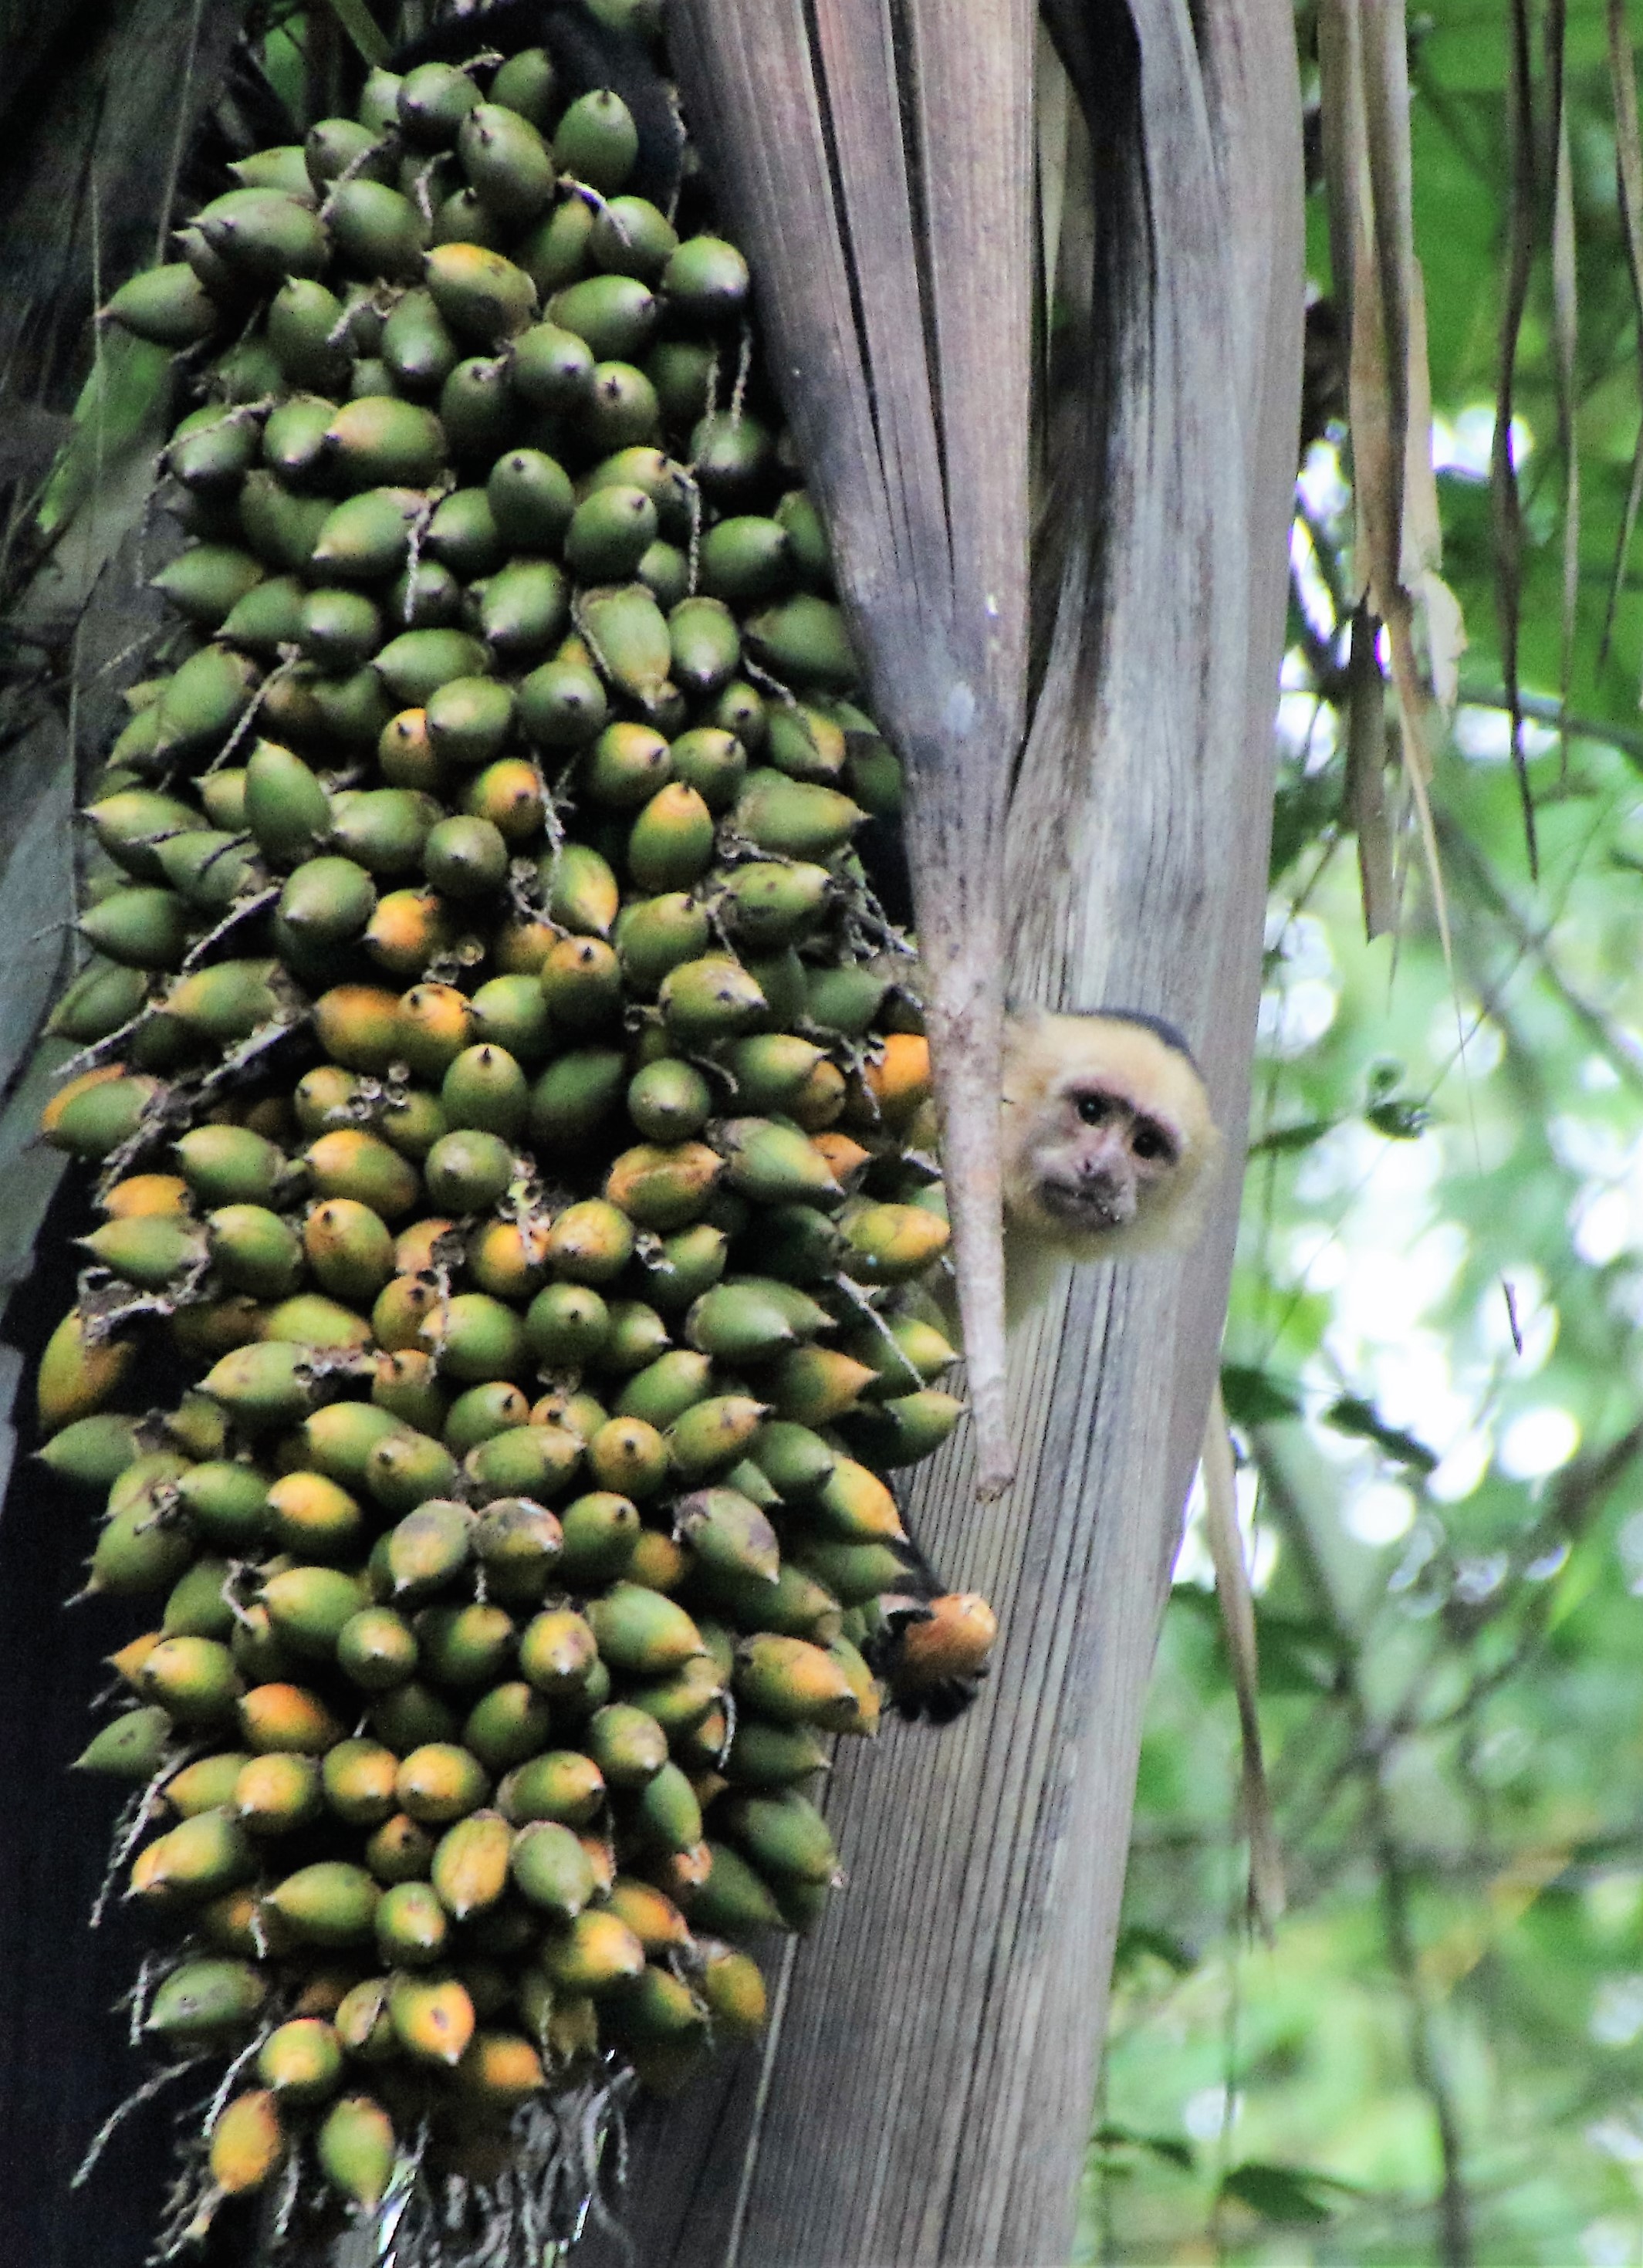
<point x="1434" y="1372"/>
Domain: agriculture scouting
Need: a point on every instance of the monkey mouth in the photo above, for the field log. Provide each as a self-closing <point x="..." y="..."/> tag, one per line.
<point x="1088" y="1205"/>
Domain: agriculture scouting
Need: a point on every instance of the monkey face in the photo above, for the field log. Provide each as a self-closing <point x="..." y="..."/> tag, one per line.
<point x="1100" y="1159"/>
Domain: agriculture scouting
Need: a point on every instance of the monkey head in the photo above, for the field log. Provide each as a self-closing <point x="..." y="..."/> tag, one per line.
<point x="1108" y="1135"/>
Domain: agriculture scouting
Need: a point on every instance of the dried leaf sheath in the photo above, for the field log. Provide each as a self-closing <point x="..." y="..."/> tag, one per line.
<point x="878" y="163"/>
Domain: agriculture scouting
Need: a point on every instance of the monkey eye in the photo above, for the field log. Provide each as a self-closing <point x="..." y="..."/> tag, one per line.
<point x="1149" y="1141"/>
<point x="1095" y="1109"/>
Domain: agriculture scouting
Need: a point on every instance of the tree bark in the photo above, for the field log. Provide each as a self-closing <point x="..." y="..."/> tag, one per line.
<point x="923" y="2094"/>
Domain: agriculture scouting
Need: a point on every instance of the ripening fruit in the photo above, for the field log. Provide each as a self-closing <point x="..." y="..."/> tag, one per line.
<point x="506" y="1299"/>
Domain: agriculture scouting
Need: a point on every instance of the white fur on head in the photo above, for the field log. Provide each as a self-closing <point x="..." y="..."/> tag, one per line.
<point x="1048" y="1060"/>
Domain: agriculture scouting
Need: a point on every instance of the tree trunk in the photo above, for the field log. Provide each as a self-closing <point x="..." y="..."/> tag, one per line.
<point x="925" y="2091"/>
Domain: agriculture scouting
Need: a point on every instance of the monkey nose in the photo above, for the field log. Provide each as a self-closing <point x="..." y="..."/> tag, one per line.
<point x="1110" y="1195"/>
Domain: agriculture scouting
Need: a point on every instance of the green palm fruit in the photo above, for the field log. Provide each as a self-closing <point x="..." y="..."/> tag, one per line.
<point x="596" y="1954"/>
<point x="614" y="314"/>
<point x="204" y="2000"/>
<point x="465" y="1646"/>
<point x="207" y="581"/>
<point x="666" y="1388"/>
<point x="255" y="1250"/>
<point x="713" y="1434"/>
<point x="368" y="537"/>
<point x="130" y="1748"/>
<point x="795" y="819"/>
<point x="548" y="368"/>
<point x="286" y="808"/>
<point x="728" y="1534"/>
<point x="627" y="633"/>
<point x="600" y="1531"/>
<point x="509" y="1012"/>
<point x="642" y="1633"/>
<point x="213" y="449"/>
<point x="468" y="1171"/>
<point x="276" y="1793"/>
<point x="705" y="644"/>
<point x="655" y="936"/>
<point x="429" y="1546"/>
<point x="506" y="161"/>
<point x="205" y="1786"/>
<point x="301" y="2061"/>
<point x="731" y="453"/>
<point x="481" y="1413"/>
<point x="382" y="829"/>
<point x="358" y="1777"/>
<point x="284" y="168"/>
<point x="672" y="839"/>
<point x="141" y="927"/>
<point x="93" y="1451"/>
<point x="294" y="439"/>
<point x="888" y="1243"/>
<point x="735" y="1900"/>
<point x="306" y="323"/>
<point x="557" y="1651"/>
<point x="264" y="236"/>
<point x="376" y="1648"/>
<point x="278" y="1719"/>
<point x="484" y="1090"/>
<point x="325" y="902"/>
<point x="411" y="1925"/>
<point x="768" y="905"/>
<point x="468" y="720"/>
<point x="907" y="1428"/>
<point x="808" y="538"/>
<point x="742" y="1323"/>
<point x="480" y="294"/>
<point x="282" y="528"/>
<point x="713" y="998"/>
<point x="168" y="306"/>
<point x="417" y="346"/>
<point x="812" y="1386"/>
<point x="463" y="534"/>
<point x="795" y="1605"/>
<point x="519" y="1544"/>
<point x="596" y="140"/>
<point x="198" y="1605"/>
<point x="202" y="1856"/>
<point x="327" y="1904"/>
<point x="775" y="1163"/>
<point x="414" y="666"/>
<point x="149" y="1253"/>
<point x="551" y="1870"/>
<point x="477" y="411"/>
<point x="409" y="1718"/>
<point x="377" y="231"/>
<point x="99" y="1002"/>
<point x="665" y="1814"/>
<point x="338" y="1440"/>
<point x="632" y="237"/>
<point x="439" y="1782"/>
<point x="627" y="1744"/>
<point x="263" y="1385"/>
<point x="407" y="1468"/>
<point x="745" y="557"/>
<point x="793" y="1683"/>
<point x="556" y="251"/>
<point x="669" y="1100"/>
<point x="506" y="1726"/>
<point x="526" y="1460"/>
<point x="432" y="101"/>
<point x="567" y="1324"/>
<point x="348" y="1163"/>
<point x="767" y="1756"/>
<point x="210" y="869"/>
<point x="230" y="1165"/>
<point x="562" y="1785"/>
<point x="339" y="629"/>
<point x="471" y="1864"/>
<point x="356" y="2146"/>
<point x="562" y="704"/>
<point x="226" y="1503"/>
<point x="310" y="1607"/>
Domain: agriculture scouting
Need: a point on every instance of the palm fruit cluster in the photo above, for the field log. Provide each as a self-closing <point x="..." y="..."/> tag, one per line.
<point x="513" y="1136"/>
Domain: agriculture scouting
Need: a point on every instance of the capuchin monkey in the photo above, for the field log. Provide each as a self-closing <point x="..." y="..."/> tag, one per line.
<point x="1109" y="1148"/>
<point x="1109" y="1144"/>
